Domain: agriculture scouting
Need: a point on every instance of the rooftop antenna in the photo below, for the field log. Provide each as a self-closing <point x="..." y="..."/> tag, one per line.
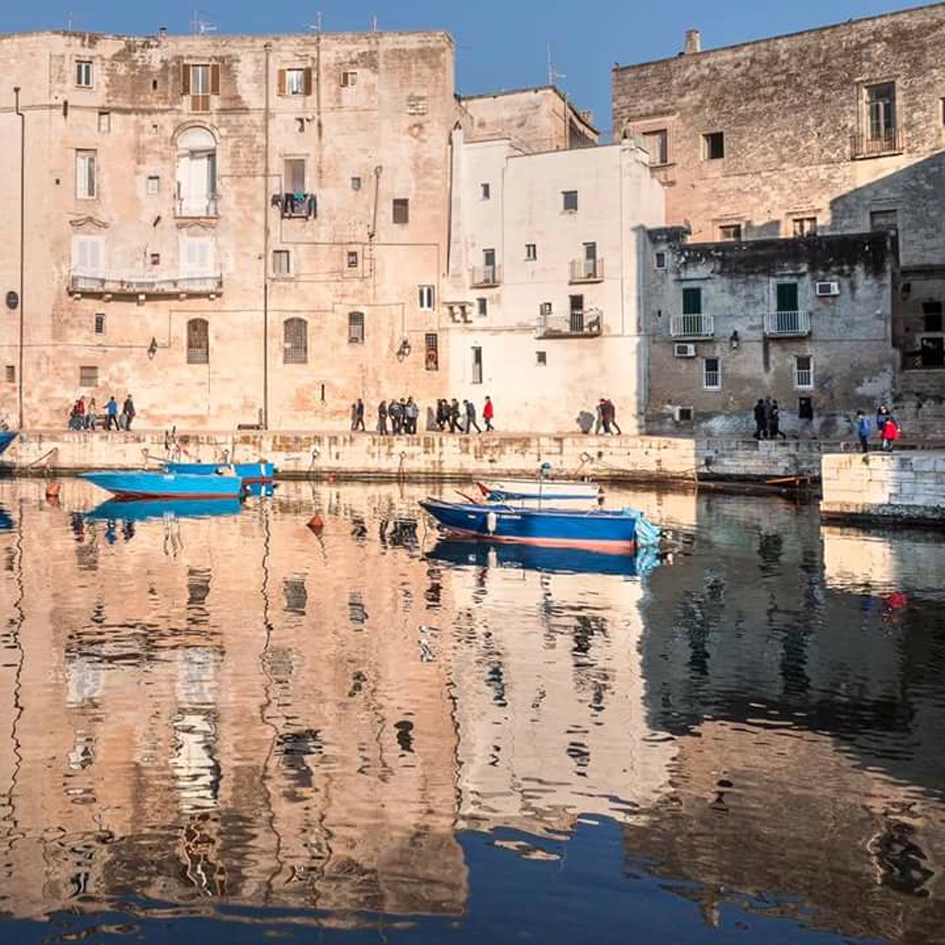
<point x="70" y="18"/>
<point x="374" y="23"/>
<point x="553" y="76"/>
<point x="200" y="26"/>
<point x="317" y="25"/>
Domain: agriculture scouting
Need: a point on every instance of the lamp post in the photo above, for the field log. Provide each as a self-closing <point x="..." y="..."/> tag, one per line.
<point x="16" y="109"/>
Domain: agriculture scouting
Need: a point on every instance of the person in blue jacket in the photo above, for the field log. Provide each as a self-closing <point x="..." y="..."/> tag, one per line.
<point x="863" y="430"/>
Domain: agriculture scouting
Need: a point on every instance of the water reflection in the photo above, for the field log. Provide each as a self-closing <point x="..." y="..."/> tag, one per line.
<point x="229" y="716"/>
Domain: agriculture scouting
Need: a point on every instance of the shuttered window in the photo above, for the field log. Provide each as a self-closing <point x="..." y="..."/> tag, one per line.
<point x="198" y="341"/>
<point x="295" y="341"/>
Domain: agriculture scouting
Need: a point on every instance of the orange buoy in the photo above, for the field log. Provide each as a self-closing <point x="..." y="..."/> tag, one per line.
<point x="315" y="524"/>
<point x="52" y="490"/>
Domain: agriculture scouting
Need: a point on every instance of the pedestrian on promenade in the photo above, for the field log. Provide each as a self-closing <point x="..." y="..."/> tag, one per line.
<point x="887" y="427"/>
<point x="359" y="415"/>
<point x="412" y="412"/>
<point x="774" y="427"/>
<point x="442" y="414"/>
<point x="488" y="413"/>
<point x="354" y="415"/>
<point x="454" y="416"/>
<point x="612" y="416"/>
<point x="863" y="430"/>
<point x="761" y="425"/>
<point x="471" y="417"/>
<point x="77" y="419"/>
<point x="599" y="417"/>
<point x="91" y="415"/>
<point x="769" y="414"/>
<point x="111" y="413"/>
<point x="127" y="412"/>
<point x="382" y="418"/>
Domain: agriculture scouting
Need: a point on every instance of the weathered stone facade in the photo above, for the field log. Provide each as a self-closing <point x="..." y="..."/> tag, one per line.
<point x="157" y="171"/>
<point x="793" y="319"/>
<point x="834" y="130"/>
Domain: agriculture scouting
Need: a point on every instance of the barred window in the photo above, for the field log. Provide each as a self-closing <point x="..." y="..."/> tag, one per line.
<point x="355" y="328"/>
<point x="198" y="341"/>
<point x="88" y="375"/>
<point x="432" y="345"/>
<point x="295" y="341"/>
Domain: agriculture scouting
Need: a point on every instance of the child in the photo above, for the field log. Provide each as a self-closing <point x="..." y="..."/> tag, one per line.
<point x="863" y="429"/>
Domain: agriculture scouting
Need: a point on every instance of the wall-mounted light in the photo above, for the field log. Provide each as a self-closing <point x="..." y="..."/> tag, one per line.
<point x="152" y="348"/>
<point x="404" y="350"/>
<point x="734" y="341"/>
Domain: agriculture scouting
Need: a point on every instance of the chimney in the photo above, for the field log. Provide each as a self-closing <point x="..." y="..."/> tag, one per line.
<point x="693" y="42"/>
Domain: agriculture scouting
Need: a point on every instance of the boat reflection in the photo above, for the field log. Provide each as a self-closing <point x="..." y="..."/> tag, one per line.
<point x="482" y="554"/>
<point x="6" y="522"/>
<point x="141" y="510"/>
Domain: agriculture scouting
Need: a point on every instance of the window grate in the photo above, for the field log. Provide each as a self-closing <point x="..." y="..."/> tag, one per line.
<point x="198" y="341"/>
<point x="295" y="341"/>
<point x="356" y="328"/>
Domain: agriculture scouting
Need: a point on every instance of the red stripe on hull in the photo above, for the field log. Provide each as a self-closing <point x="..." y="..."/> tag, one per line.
<point x="607" y="547"/>
<point x="173" y="495"/>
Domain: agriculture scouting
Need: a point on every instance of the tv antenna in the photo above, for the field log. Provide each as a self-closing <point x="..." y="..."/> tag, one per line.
<point x="317" y="25"/>
<point x="553" y="76"/>
<point x="199" y="25"/>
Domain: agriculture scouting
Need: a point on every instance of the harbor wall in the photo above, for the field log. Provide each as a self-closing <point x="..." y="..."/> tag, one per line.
<point x="884" y="487"/>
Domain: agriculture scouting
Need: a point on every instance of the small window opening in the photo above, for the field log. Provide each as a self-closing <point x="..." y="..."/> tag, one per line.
<point x="356" y="328"/>
<point x="486" y="191"/>
<point x="355" y="183"/>
<point x="713" y="146"/>
<point x="100" y="323"/>
<point x="352" y="259"/>
<point x="541" y="358"/>
<point x="401" y="210"/>
<point x="569" y="201"/>
<point x="280" y="262"/>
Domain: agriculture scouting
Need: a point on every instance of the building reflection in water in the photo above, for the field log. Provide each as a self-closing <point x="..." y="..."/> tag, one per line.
<point x="233" y="709"/>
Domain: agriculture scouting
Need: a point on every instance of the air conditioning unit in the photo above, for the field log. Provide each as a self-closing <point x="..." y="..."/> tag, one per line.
<point x="827" y="289"/>
<point x="682" y="414"/>
<point x="684" y="351"/>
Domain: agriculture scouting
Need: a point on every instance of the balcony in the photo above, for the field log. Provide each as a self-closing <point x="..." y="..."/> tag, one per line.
<point x="787" y="324"/>
<point x="692" y="326"/>
<point x="876" y="145"/>
<point x="302" y="206"/>
<point x="587" y="324"/>
<point x="587" y="270"/>
<point x="484" y="277"/>
<point x="199" y="207"/>
<point x="142" y="287"/>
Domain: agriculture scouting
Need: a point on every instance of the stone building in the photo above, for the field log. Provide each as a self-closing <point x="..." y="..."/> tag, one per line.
<point x="833" y="130"/>
<point x="804" y="321"/>
<point x="235" y="229"/>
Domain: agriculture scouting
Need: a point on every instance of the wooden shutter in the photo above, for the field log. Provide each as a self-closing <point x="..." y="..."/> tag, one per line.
<point x="185" y="78"/>
<point x="280" y="84"/>
<point x="308" y="81"/>
<point x="215" y="78"/>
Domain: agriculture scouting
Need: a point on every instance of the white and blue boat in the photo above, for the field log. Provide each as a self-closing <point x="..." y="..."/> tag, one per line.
<point x="6" y="438"/>
<point x="538" y="493"/>
<point x="613" y="532"/>
<point x="249" y="472"/>
<point x="145" y="484"/>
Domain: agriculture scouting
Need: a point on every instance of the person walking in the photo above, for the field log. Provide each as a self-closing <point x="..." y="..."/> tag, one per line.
<point x="488" y="413"/>
<point x="768" y="416"/>
<point x="863" y="430"/>
<point x="412" y="412"/>
<point x="442" y="414"/>
<point x="382" y="418"/>
<point x="454" y="416"/>
<point x="91" y="415"/>
<point x="127" y="412"/>
<point x="111" y="414"/>
<point x="889" y="431"/>
<point x="774" y="429"/>
<point x="471" y="417"/>
<point x="599" y="417"/>
<point x="359" y="415"/>
<point x="612" y="416"/>
<point x="761" y="426"/>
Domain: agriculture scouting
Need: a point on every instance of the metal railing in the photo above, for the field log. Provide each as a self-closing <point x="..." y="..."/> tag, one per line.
<point x="296" y="206"/>
<point x="787" y="324"/>
<point x="588" y="324"/>
<point x="587" y="270"/>
<point x="483" y="276"/>
<point x="870" y="145"/>
<point x="204" y="206"/>
<point x="692" y="326"/>
<point x="113" y="284"/>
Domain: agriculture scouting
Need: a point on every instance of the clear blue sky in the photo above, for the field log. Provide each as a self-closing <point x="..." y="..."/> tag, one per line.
<point x="502" y="44"/>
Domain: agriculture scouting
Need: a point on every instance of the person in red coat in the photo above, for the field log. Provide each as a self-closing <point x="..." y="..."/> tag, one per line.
<point x="488" y="412"/>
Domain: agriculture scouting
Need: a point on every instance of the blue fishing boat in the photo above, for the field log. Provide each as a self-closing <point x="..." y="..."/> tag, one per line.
<point x="615" y="532"/>
<point x="140" y="510"/>
<point x="248" y="472"/>
<point x="6" y="438"/>
<point x="165" y="485"/>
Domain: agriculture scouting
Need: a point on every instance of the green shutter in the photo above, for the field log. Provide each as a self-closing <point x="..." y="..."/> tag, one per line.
<point x="692" y="301"/>
<point x="787" y="297"/>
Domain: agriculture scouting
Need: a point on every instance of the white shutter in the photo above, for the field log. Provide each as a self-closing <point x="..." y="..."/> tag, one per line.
<point x="196" y="256"/>
<point x="88" y="255"/>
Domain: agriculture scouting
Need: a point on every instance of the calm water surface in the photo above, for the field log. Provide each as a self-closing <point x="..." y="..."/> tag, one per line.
<point x="227" y="728"/>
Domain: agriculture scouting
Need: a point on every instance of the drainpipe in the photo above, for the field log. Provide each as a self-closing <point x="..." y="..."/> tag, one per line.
<point x="16" y="109"/>
<point x="265" y="412"/>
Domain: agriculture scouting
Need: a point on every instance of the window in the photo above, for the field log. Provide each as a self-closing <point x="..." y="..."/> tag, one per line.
<point x="805" y="226"/>
<point x="486" y="191"/>
<point x="713" y="146"/>
<point x="541" y="358"/>
<point x="401" y="210"/>
<point x="476" y="365"/>
<point x="155" y="259"/>
<point x="100" y="323"/>
<point x="200" y="81"/>
<point x="576" y="313"/>
<point x="88" y="255"/>
<point x="295" y="82"/>
<point x="545" y="309"/>
<point x="885" y="220"/>
<point x="153" y="186"/>
<point x="280" y="262"/>
<point x="786" y="297"/>
<point x="426" y="298"/>
<point x="712" y="373"/>
<point x="730" y="232"/>
<point x="196" y="256"/>
<point x="85" y="181"/>
<point x="293" y="175"/>
<point x="692" y="300"/>
<point x="295" y="341"/>
<point x="198" y="341"/>
<point x="355" y="328"/>
<point x="569" y="201"/>
<point x="196" y="173"/>
<point x="659" y="261"/>
<point x="88" y="375"/>
<point x="83" y="73"/>
<point x="431" y="345"/>
<point x="531" y="252"/>
<point x="104" y="122"/>
<point x="355" y="183"/>
<point x="349" y="79"/>
<point x="881" y="113"/>
<point x="932" y="316"/>
<point x="10" y="373"/>
<point x="803" y="372"/>
<point x="657" y="143"/>
<point x="482" y="307"/>
<point x="352" y="259"/>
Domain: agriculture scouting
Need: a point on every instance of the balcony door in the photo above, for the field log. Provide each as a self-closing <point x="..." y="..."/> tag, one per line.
<point x="788" y="317"/>
<point x="197" y="173"/>
<point x="590" y="260"/>
<point x="488" y="265"/>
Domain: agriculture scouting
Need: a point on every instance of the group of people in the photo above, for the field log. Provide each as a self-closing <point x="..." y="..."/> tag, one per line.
<point x="768" y="420"/>
<point x="401" y="416"/>
<point x="886" y="426"/>
<point x="85" y="416"/>
<point x="606" y="418"/>
<point x="450" y="416"/>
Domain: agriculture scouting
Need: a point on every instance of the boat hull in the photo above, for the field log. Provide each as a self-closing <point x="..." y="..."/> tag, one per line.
<point x="248" y="472"/>
<point x="160" y="485"/>
<point x="6" y="438"/>
<point x="609" y="532"/>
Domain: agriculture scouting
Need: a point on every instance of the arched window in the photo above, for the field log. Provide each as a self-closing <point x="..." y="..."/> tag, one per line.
<point x="196" y="173"/>
<point x="295" y="341"/>
<point x="198" y="341"/>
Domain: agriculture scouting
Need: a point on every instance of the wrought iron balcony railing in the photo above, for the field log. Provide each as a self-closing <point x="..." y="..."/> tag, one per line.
<point x="692" y="326"/>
